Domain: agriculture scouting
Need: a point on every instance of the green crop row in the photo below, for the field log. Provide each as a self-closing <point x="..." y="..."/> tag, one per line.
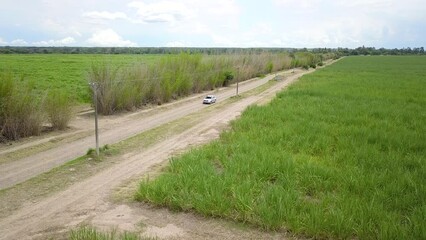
<point x="340" y="154"/>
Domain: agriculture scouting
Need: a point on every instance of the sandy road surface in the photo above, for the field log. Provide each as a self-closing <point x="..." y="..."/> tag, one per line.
<point x="88" y="201"/>
<point x="112" y="130"/>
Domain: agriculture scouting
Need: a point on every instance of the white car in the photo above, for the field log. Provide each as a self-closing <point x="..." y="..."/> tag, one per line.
<point x="209" y="99"/>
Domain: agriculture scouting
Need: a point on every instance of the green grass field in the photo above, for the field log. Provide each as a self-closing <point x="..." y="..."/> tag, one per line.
<point x="340" y="154"/>
<point x="63" y="71"/>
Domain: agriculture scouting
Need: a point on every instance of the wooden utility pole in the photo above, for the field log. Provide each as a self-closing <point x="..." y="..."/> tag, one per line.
<point x="94" y="86"/>
<point x="238" y="71"/>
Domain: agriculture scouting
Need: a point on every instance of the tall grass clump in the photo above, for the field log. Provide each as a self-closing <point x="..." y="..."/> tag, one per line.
<point x="58" y="106"/>
<point x="90" y="233"/>
<point x="307" y="59"/>
<point x="107" y="87"/>
<point x="175" y="76"/>
<point x="340" y="154"/>
<point x="118" y="88"/>
<point x="20" y="110"/>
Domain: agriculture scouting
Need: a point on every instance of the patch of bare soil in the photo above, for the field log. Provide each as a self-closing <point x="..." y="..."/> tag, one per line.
<point x="91" y="201"/>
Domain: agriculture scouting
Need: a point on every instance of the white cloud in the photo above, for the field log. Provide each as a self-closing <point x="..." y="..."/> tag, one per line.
<point x="164" y="11"/>
<point x="176" y="44"/>
<point x="213" y="23"/>
<point x="52" y="43"/>
<point x="18" y="42"/>
<point x="105" y="15"/>
<point x="109" y="38"/>
<point x="209" y="23"/>
<point x="53" y="26"/>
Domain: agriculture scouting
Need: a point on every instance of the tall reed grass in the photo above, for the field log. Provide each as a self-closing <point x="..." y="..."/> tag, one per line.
<point x="340" y="154"/>
<point x="20" y="111"/>
<point x="90" y="233"/>
<point x="59" y="108"/>
<point x="179" y="75"/>
<point x="23" y="111"/>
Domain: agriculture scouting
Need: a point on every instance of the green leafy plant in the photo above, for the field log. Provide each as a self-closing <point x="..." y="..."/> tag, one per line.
<point x="269" y="67"/>
<point x="20" y="113"/>
<point x="90" y="233"/>
<point x="58" y="107"/>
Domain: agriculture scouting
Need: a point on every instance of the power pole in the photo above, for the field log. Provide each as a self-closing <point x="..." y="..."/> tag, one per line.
<point x="94" y="86"/>
<point x="237" y="86"/>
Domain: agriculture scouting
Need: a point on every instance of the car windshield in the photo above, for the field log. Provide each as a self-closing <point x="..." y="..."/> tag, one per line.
<point x="208" y="97"/>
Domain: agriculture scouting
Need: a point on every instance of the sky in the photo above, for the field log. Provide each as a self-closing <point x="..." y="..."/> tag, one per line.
<point x="214" y="23"/>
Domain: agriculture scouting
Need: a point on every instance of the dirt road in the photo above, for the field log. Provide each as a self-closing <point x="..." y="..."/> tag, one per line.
<point x="89" y="201"/>
<point x="112" y="129"/>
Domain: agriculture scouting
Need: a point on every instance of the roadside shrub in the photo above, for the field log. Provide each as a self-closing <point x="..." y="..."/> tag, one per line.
<point x="295" y="63"/>
<point x="306" y="67"/>
<point x="228" y="76"/>
<point x="90" y="233"/>
<point x="91" y="152"/>
<point x="22" y="117"/>
<point x="6" y="89"/>
<point x="107" y="87"/>
<point x="283" y="61"/>
<point x="20" y="112"/>
<point x="269" y="67"/>
<point x="58" y="107"/>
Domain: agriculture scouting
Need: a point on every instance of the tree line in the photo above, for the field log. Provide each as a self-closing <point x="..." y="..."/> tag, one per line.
<point x="209" y="51"/>
<point x="136" y="50"/>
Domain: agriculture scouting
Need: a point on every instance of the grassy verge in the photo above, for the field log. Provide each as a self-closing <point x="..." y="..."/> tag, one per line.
<point x="89" y="233"/>
<point x="341" y="154"/>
